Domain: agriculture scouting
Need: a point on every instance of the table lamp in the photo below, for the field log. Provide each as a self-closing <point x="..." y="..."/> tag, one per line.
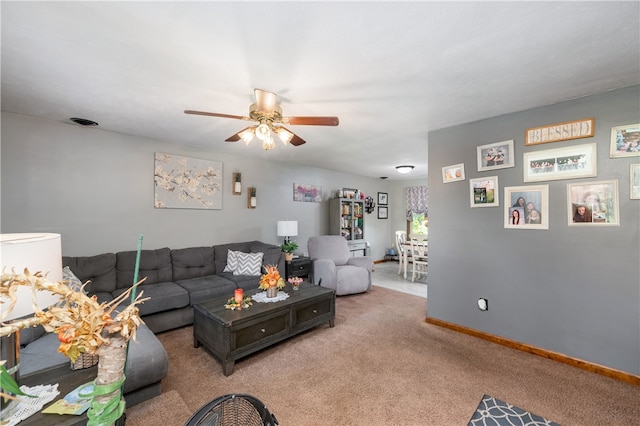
<point x="287" y="228"/>
<point x="36" y="252"/>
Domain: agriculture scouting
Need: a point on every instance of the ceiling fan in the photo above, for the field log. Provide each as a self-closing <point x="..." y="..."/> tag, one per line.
<point x="268" y="116"/>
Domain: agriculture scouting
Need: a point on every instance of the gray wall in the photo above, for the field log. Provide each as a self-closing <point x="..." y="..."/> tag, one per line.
<point x="96" y="189"/>
<point x="573" y="290"/>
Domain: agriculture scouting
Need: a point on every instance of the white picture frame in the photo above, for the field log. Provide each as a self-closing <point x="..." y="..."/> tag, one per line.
<point x="598" y="199"/>
<point x="625" y="141"/>
<point x="570" y="162"/>
<point x="634" y="181"/>
<point x="453" y="173"/>
<point x="493" y="156"/>
<point x="484" y="192"/>
<point x="534" y="197"/>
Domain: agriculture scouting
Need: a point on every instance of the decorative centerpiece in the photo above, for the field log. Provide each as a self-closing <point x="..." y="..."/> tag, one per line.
<point x="236" y="305"/>
<point x="295" y="282"/>
<point x="271" y="281"/>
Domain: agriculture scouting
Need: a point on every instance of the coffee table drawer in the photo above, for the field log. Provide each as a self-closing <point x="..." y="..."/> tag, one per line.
<point x="263" y="329"/>
<point x="313" y="312"/>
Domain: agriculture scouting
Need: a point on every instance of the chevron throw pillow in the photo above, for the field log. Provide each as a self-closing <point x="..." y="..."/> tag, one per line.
<point x="249" y="263"/>
<point x="232" y="261"/>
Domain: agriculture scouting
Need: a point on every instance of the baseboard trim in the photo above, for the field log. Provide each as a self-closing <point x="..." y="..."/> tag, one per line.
<point x="555" y="356"/>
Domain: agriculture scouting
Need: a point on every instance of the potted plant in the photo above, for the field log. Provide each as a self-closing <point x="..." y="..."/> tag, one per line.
<point x="288" y="248"/>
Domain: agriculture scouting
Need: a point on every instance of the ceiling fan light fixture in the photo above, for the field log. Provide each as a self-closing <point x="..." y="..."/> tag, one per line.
<point x="247" y="135"/>
<point x="263" y="131"/>
<point x="404" y="169"/>
<point x="284" y="135"/>
<point x="268" y="142"/>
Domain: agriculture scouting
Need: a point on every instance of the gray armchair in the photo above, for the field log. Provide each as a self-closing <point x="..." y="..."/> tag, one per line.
<point x="334" y="267"/>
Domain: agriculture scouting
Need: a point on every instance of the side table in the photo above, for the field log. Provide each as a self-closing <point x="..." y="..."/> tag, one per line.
<point x="298" y="267"/>
<point x="67" y="380"/>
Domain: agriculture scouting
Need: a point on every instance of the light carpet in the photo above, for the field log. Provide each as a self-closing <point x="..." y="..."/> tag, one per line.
<point x="166" y="409"/>
<point x="383" y="365"/>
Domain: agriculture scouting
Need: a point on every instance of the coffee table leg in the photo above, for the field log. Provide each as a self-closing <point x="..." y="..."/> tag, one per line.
<point x="227" y="367"/>
<point x="331" y="323"/>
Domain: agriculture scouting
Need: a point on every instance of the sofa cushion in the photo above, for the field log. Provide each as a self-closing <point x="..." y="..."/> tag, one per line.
<point x="100" y="270"/>
<point x="240" y="263"/>
<point x="245" y="282"/>
<point x="192" y="262"/>
<point x="162" y="297"/>
<point x="203" y="288"/>
<point x="155" y="265"/>
<point x="220" y="253"/>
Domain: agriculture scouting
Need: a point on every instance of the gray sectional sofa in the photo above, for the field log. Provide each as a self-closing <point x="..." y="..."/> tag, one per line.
<point x="176" y="279"/>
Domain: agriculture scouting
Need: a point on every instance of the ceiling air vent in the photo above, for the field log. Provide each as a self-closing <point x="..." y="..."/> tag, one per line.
<point x="83" y="121"/>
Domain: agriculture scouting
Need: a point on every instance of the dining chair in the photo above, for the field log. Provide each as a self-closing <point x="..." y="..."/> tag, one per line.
<point x="419" y="252"/>
<point x="401" y="239"/>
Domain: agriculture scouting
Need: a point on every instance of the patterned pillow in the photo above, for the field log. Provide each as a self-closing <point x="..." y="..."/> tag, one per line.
<point x="73" y="282"/>
<point x="249" y="263"/>
<point x="232" y="261"/>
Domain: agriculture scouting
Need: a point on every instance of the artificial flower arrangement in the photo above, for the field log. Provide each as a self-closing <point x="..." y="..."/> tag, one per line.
<point x="272" y="278"/>
<point x="295" y="281"/>
<point x="234" y="305"/>
<point x="82" y="325"/>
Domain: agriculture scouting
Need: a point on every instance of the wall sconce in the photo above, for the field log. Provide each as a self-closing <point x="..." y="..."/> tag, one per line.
<point x="237" y="183"/>
<point x="251" y="197"/>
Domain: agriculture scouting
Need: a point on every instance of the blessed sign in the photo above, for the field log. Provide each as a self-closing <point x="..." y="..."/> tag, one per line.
<point x="560" y="132"/>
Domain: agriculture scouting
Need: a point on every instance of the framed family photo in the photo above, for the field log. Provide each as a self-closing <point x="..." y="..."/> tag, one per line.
<point x="625" y="141"/>
<point x="453" y="173"/>
<point x="494" y="156"/>
<point x="570" y="162"/>
<point x="634" y="181"/>
<point x="526" y="207"/>
<point x="483" y="192"/>
<point x="593" y="203"/>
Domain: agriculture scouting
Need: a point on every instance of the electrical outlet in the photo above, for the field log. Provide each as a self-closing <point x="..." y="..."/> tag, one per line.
<point x="483" y="304"/>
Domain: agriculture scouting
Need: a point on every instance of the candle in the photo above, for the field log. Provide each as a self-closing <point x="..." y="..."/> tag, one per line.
<point x="238" y="295"/>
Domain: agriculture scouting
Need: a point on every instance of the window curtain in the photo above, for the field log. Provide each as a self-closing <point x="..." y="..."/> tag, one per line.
<point x="417" y="201"/>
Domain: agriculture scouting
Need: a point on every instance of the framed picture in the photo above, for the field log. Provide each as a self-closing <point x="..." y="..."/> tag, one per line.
<point x="570" y="162"/>
<point x="187" y="183"/>
<point x="383" y="212"/>
<point x="625" y="141"/>
<point x="526" y="207"/>
<point x="307" y="193"/>
<point x="453" y="173"/>
<point x="383" y="198"/>
<point x="568" y="130"/>
<point x="483" y="192"/>
<point x="494" y="156"/>
<point x="593" y="203"/>
<point x="634" y="181"/>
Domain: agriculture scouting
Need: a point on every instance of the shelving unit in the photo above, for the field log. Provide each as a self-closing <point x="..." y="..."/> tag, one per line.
<point x="347" y="219"/>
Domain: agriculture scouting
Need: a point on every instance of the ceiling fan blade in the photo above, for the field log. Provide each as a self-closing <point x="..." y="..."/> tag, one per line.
<point x="296" y="140"/>
<point x="215" y="114"/>
<point x="312" y="121"/>
<point x="266" y="101"/>
<point x="236" y="137"/>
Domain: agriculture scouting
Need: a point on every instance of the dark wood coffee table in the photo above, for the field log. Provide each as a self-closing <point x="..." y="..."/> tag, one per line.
<point x="230" y="335"/>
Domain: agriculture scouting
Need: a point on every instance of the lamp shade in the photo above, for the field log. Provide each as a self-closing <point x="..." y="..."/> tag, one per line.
<point x="287" y="228"/>
<point x="36" y="252"/>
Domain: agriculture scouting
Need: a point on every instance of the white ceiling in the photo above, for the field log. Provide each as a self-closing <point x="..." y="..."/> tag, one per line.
<point x="391" y="71"/>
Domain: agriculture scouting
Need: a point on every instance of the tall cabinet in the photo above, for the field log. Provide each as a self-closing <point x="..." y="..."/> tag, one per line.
<point x="346" y="218"/>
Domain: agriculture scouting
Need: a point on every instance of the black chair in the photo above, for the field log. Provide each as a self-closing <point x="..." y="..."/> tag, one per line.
<point x="233" y="410"/>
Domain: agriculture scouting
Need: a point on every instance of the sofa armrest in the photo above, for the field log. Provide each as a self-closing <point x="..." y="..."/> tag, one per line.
<point x="362" y="261"/>
<point x="324" y="270"/>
